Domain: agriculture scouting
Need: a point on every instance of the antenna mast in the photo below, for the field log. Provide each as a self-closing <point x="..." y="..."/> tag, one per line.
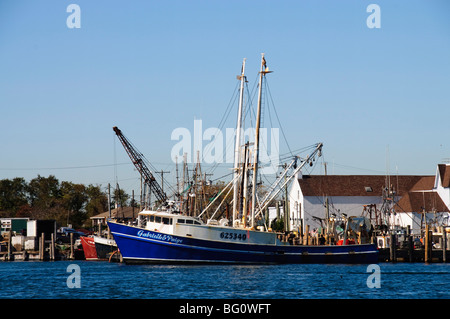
<point x="237" y="148"/>
<point x="264" y="70"/>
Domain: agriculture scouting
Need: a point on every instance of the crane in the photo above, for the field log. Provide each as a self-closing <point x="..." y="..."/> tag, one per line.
<point x="138" y="160"/>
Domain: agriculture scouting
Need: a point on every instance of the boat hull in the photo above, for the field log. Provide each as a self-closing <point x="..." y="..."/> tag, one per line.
<point x="144" y="246"/>
<point x="88" y="244"/>
<point x="104" y="247"/>
<point x="97" y="248"/>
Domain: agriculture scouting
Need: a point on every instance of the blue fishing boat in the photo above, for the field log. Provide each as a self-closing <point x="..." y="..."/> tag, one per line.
<point x="171" y="235"/>
<point x="165" y="237"/>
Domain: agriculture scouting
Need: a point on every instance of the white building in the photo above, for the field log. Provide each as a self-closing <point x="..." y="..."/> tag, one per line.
<point x="442" y="183"/>
<point x="348" y="194"/>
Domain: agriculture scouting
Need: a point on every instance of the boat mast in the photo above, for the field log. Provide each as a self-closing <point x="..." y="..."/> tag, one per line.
<point x="262" y="73"/>
<point x="245" y="184"/>
<point x="237" y="148"/>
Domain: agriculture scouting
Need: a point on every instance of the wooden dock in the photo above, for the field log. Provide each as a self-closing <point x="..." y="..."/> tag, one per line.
<point x="415" y="255"/>
<point x="46" y="250"/>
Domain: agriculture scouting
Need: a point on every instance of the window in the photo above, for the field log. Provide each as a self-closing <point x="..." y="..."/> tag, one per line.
<point x="187" y="221"/>
<point x="167" y="221"/>
<point x="157" y="219"/>
<point x="151" y="218"/>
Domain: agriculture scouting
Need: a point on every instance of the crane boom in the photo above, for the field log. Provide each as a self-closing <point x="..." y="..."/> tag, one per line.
<point x="138" y="160"/>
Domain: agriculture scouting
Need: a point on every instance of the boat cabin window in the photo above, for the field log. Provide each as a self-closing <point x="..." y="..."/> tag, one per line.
<point x="160" y="220"/>
<point x="188" y="221"/>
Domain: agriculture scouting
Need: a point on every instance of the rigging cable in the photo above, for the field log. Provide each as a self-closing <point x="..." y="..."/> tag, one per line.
<point x="222" y="123"/>
<point x="276" y="114"/>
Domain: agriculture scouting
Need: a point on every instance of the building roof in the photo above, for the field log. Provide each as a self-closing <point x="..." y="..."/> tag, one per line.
<point x="426" y="183"/>
<point x="444" y="172"/>
<point x="419" y="201"/>
<point x="121" y="212"/>
<point x="361" y="185"/>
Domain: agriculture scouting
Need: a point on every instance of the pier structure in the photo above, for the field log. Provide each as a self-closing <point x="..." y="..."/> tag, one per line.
<point x="26" y="248"/>
<point x="433" y="247"/>
<point x="38" y="240"/>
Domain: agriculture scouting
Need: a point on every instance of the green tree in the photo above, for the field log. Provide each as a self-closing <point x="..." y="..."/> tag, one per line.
<point x="74" y="199"/>
<point x="120" y="197"/>
<point x="44" y="192"/>
<point x="47" y="198"/>
<point x="13" y="195"/>
<point x="97" y="201"/>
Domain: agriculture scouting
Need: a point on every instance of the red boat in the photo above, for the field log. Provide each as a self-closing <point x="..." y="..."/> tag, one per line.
<point x="90" y="252"/>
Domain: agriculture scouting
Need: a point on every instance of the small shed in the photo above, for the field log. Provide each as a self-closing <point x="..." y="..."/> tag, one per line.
<point x="16" y="225"/>
<point x="126" y="214"/>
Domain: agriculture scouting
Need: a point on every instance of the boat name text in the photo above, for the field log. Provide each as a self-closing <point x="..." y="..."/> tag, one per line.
<point x="161" y="237"/>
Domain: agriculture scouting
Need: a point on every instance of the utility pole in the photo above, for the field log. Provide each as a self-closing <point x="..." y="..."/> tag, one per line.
<point x="132" y="203"/>
<point x="162" y="178"/>
<point x="109" y="199"/>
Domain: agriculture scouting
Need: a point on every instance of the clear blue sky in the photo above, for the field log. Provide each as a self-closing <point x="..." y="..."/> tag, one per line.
<point x="376" y="98"/>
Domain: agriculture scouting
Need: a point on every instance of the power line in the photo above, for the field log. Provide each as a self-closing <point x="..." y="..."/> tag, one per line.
<point x="62" y="168"/>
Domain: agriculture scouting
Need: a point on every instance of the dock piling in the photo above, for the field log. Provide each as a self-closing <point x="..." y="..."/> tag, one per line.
<point x="52" y="246"/>
<point x="427" y="243"/>
<point x="306" y="236"/>
<point x="393" y="248"/>
<point x="9" y="245"/>
<point x="410" y="245"/>
<point x="71" y="247"/>
<point x="42" y="246"/>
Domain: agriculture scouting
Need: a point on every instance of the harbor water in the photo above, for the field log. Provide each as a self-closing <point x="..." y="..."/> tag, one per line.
<point x="103" y="280"/>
